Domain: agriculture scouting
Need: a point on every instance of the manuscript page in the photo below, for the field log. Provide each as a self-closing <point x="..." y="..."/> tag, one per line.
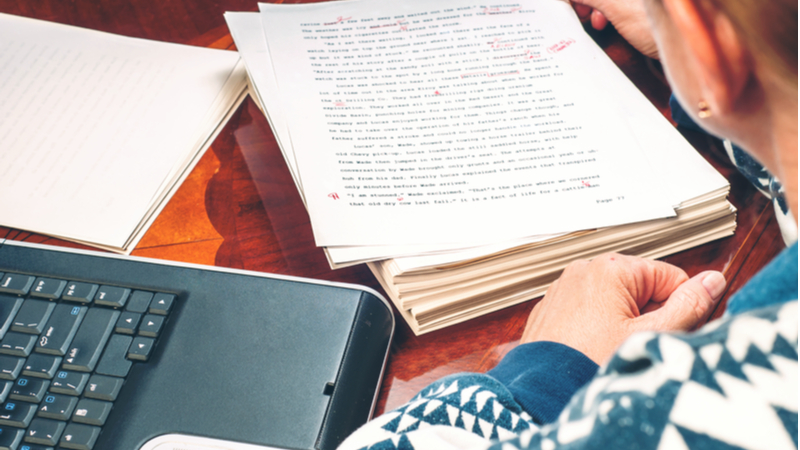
<point x="419" y="124"/>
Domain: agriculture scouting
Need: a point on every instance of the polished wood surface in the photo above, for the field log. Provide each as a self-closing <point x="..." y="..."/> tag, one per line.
<point x="239" y="207"/>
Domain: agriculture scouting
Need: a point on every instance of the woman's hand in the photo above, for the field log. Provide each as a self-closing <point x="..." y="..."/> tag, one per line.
<point x="597" y="304"/>
<point x="627" y="16"/>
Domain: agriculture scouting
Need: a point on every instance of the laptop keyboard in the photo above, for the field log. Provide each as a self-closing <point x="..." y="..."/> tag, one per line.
<point x="65" y="350"/>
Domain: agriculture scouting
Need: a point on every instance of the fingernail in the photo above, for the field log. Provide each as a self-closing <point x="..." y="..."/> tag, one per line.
<point x="714" y="282"/>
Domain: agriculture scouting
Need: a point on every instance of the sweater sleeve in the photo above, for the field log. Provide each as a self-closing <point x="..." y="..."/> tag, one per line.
<point x="731" y="384"/>
<point x="543" y="377"/>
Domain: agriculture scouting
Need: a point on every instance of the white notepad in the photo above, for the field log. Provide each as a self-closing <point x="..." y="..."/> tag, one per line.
<point x="97" y="130"/>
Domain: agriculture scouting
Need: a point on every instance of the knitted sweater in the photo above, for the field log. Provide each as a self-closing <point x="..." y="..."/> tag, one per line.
<point x="733" y="384"/>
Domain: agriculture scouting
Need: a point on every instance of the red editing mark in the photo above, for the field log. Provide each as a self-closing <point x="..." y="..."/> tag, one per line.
<point x="339" y="104"/>
<point x="529" y="55"/>
<point x="399" y="199"/>
<point x="339" y="19"/>
<point x="437" y="93"/>
<point x="497" y="43"/>
<point x="564" y="43"/>
<point x="586" y="184"/>
<point x="334" y="195"/>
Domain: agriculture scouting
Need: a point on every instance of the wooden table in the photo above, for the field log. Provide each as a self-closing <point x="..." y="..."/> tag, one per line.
<point x="240" y="209"/>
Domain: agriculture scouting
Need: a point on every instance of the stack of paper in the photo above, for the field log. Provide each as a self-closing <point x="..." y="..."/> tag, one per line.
<point x="97" y="130"/>
<point x="469" y="152"/>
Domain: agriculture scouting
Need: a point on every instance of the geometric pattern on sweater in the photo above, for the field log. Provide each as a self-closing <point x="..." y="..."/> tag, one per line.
<point x="472" y="402"/>
<point x="768" y="184"/>
<point x="733" y="384"/>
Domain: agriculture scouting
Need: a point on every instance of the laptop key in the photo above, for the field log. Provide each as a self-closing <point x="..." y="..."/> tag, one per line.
<point x="79" y="437"/>
<point x="90" y="340"/>
<point x="139" y="301"/>
<point x="58" y="407"/>
<point x="42" y="366"/>
<point x="29" y="389"/>
<point x="79" y="292"/>
<point x="33" y="446"/>
<point x="69" y="383"/>
<point x="10" y="438"/>
<point x="127" y="323"/>
<point x="141" y="348"/>
<point x="14" y="283"/>
<point x="60" y="329"/>
<point x="112" y="296"/>
<point x="48" y="288"/>
<point x="10" y="367"/>
<point x="92" y="412"/>
<point x="9" y="305"/>
<point x="17" y="344"/>
<point x="14" y="414"/>
<point x="32" y="316"/>
<point x="114" y="361"/>
<point x="103" y="388"/>
<point x="161" y="304"/>
<point x="151" y="325"/>
<point x="5" y="389"/>
<point x="44" y="431"/>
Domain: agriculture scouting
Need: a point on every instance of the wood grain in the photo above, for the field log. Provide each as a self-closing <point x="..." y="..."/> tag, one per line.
<point x="239" y="207"/>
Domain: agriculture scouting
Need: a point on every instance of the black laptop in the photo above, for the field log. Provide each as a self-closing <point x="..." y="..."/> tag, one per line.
<point x="107" y="352"/>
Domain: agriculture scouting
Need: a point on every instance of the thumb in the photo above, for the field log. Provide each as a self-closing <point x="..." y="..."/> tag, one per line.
<point x="689" y="304"/>
<point x="598" y="20"/>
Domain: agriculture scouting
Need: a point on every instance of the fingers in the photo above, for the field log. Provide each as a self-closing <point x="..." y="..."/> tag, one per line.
<point x="590" y="4"/>
<point x="691" y="303"/>
<point x="645" y="279"/>
<point x="583" y="11"/>
<point x="587" y="11"/>
<point x="599" y="20"/>
<point x="666" y="279"/>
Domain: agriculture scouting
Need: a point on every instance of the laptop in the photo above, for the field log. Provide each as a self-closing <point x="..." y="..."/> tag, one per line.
<point x="103" y="352"/>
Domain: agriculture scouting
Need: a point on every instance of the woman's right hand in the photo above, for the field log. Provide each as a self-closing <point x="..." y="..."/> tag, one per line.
<point x="595" y="305"/>
<point x="627" y="16"/>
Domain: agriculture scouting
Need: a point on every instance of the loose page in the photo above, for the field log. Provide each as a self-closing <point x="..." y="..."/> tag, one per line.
<point x="93" y="126"/>
<point x="431" y="125"/>
<point x="248" y="34"/>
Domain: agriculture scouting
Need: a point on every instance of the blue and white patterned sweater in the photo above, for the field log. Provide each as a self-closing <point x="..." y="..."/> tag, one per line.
<point x="733" y="384"/>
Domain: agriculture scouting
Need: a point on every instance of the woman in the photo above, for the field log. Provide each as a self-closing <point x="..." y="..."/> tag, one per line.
<point x="731" y="384"/>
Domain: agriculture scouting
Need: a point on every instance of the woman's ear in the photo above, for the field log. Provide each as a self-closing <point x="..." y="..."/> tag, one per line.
<point x="720" y="58"/>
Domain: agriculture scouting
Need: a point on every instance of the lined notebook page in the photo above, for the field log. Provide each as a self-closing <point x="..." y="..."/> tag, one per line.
<point x="93" y="124"/>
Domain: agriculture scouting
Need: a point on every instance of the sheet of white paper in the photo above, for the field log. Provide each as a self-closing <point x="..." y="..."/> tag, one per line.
<point x="423" y="124"/>
<point x="248" y="34"/>
<point x="92" y="124"/>
<point x="247" y="31"/>
<point x="373" y="253"/>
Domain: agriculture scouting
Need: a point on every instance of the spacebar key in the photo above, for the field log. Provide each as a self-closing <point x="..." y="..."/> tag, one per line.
<point x="90" y="339"/>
